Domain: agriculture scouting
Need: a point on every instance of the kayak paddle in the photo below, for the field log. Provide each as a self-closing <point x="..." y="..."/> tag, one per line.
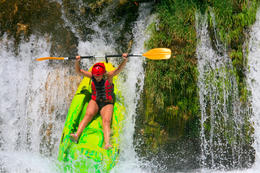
<point x="153" y="54"/>
<point x="62" y="58"/>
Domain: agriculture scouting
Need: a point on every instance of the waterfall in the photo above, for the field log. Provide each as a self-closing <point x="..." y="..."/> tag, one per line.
<point x="253" y="80"/>
<point x="133" y="87"/>
<point x="36" y="97"/>
<point x="223" y="143"/>
<point x="35" y="101"/>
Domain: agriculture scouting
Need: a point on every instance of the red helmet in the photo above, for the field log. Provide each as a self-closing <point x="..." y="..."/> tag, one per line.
<point x="98" y="69"/>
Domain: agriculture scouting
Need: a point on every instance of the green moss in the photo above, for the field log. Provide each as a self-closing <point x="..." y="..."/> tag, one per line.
<point x="233" y="20"/>
<point x="177" y="77"/>
<point x="170" y="92"/>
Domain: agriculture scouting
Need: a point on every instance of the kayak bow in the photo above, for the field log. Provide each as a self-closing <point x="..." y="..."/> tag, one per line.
<point x="89" y="154"/>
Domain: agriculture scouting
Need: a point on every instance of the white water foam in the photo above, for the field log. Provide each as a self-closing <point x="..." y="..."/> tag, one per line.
<point x="36" y="97"/>
<point x="35" y="100"/>
<point x="20" y="86"/>
<point x="133" y="86"/>
<point x="253" y="80"/>
<point x="132" y="79"/>
<point x="220" y="105"/>
<point x="19" y="162"/>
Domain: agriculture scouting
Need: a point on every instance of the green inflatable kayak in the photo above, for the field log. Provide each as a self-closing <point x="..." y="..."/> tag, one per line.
<point x="89" y="155"/>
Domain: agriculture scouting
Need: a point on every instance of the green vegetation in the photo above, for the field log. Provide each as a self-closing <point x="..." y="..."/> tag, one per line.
<point x="170" y="98"/>
<point x="233" y="21"/>
<point x="171" y="93"/>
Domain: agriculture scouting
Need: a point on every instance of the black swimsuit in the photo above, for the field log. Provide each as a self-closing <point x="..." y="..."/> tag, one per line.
<point x="101" y="94"/>
<point x="102" y="104"/>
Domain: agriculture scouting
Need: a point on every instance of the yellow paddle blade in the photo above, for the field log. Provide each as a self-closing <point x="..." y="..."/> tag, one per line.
<point x="46" y="58"/>
<point x="158" y="53"/>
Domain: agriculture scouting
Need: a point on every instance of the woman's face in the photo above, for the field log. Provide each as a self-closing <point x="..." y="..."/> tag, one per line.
<point x="98" y="78"/>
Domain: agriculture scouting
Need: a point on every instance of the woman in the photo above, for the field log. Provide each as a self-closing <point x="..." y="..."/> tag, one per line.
<point x="102" y="98"/>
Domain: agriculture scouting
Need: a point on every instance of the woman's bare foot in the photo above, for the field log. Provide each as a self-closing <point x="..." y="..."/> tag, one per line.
<point x="108" y="147"/>
<point x="74" y="138"/>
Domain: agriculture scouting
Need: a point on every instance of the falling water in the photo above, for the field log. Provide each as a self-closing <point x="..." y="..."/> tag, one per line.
<point x="253" y="80"/>
<point x="133" y="86"/>
<point x="223" y="143"/>
<point x="36" y="97"/>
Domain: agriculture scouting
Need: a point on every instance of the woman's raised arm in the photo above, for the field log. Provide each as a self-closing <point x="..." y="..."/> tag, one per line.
<point x="81" y="71"/>
<point x="120" y="67"/>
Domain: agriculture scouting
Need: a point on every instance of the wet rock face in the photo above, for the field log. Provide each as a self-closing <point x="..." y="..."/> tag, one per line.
<point x="64" y="24"/>
<point x="21" y="19"/>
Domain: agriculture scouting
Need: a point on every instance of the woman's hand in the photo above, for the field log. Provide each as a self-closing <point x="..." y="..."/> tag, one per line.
<point x="78" y="58"/>
<point x="125" y="56"/>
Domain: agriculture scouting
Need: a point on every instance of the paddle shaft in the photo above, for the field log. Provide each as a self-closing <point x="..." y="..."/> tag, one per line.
<point x="153" y="54"/>
<point x="120" y="55"/>
<point x="73" y="57"/>
<point x="107" y="56"/>
<point x="111" y="56"/>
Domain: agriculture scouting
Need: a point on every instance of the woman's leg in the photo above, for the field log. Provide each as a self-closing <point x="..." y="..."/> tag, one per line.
<point x="91" y="111"/>
<point x="106" y="114"/>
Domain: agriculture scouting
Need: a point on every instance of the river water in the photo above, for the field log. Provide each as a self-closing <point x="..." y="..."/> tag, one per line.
<point x="35" y="97"/>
